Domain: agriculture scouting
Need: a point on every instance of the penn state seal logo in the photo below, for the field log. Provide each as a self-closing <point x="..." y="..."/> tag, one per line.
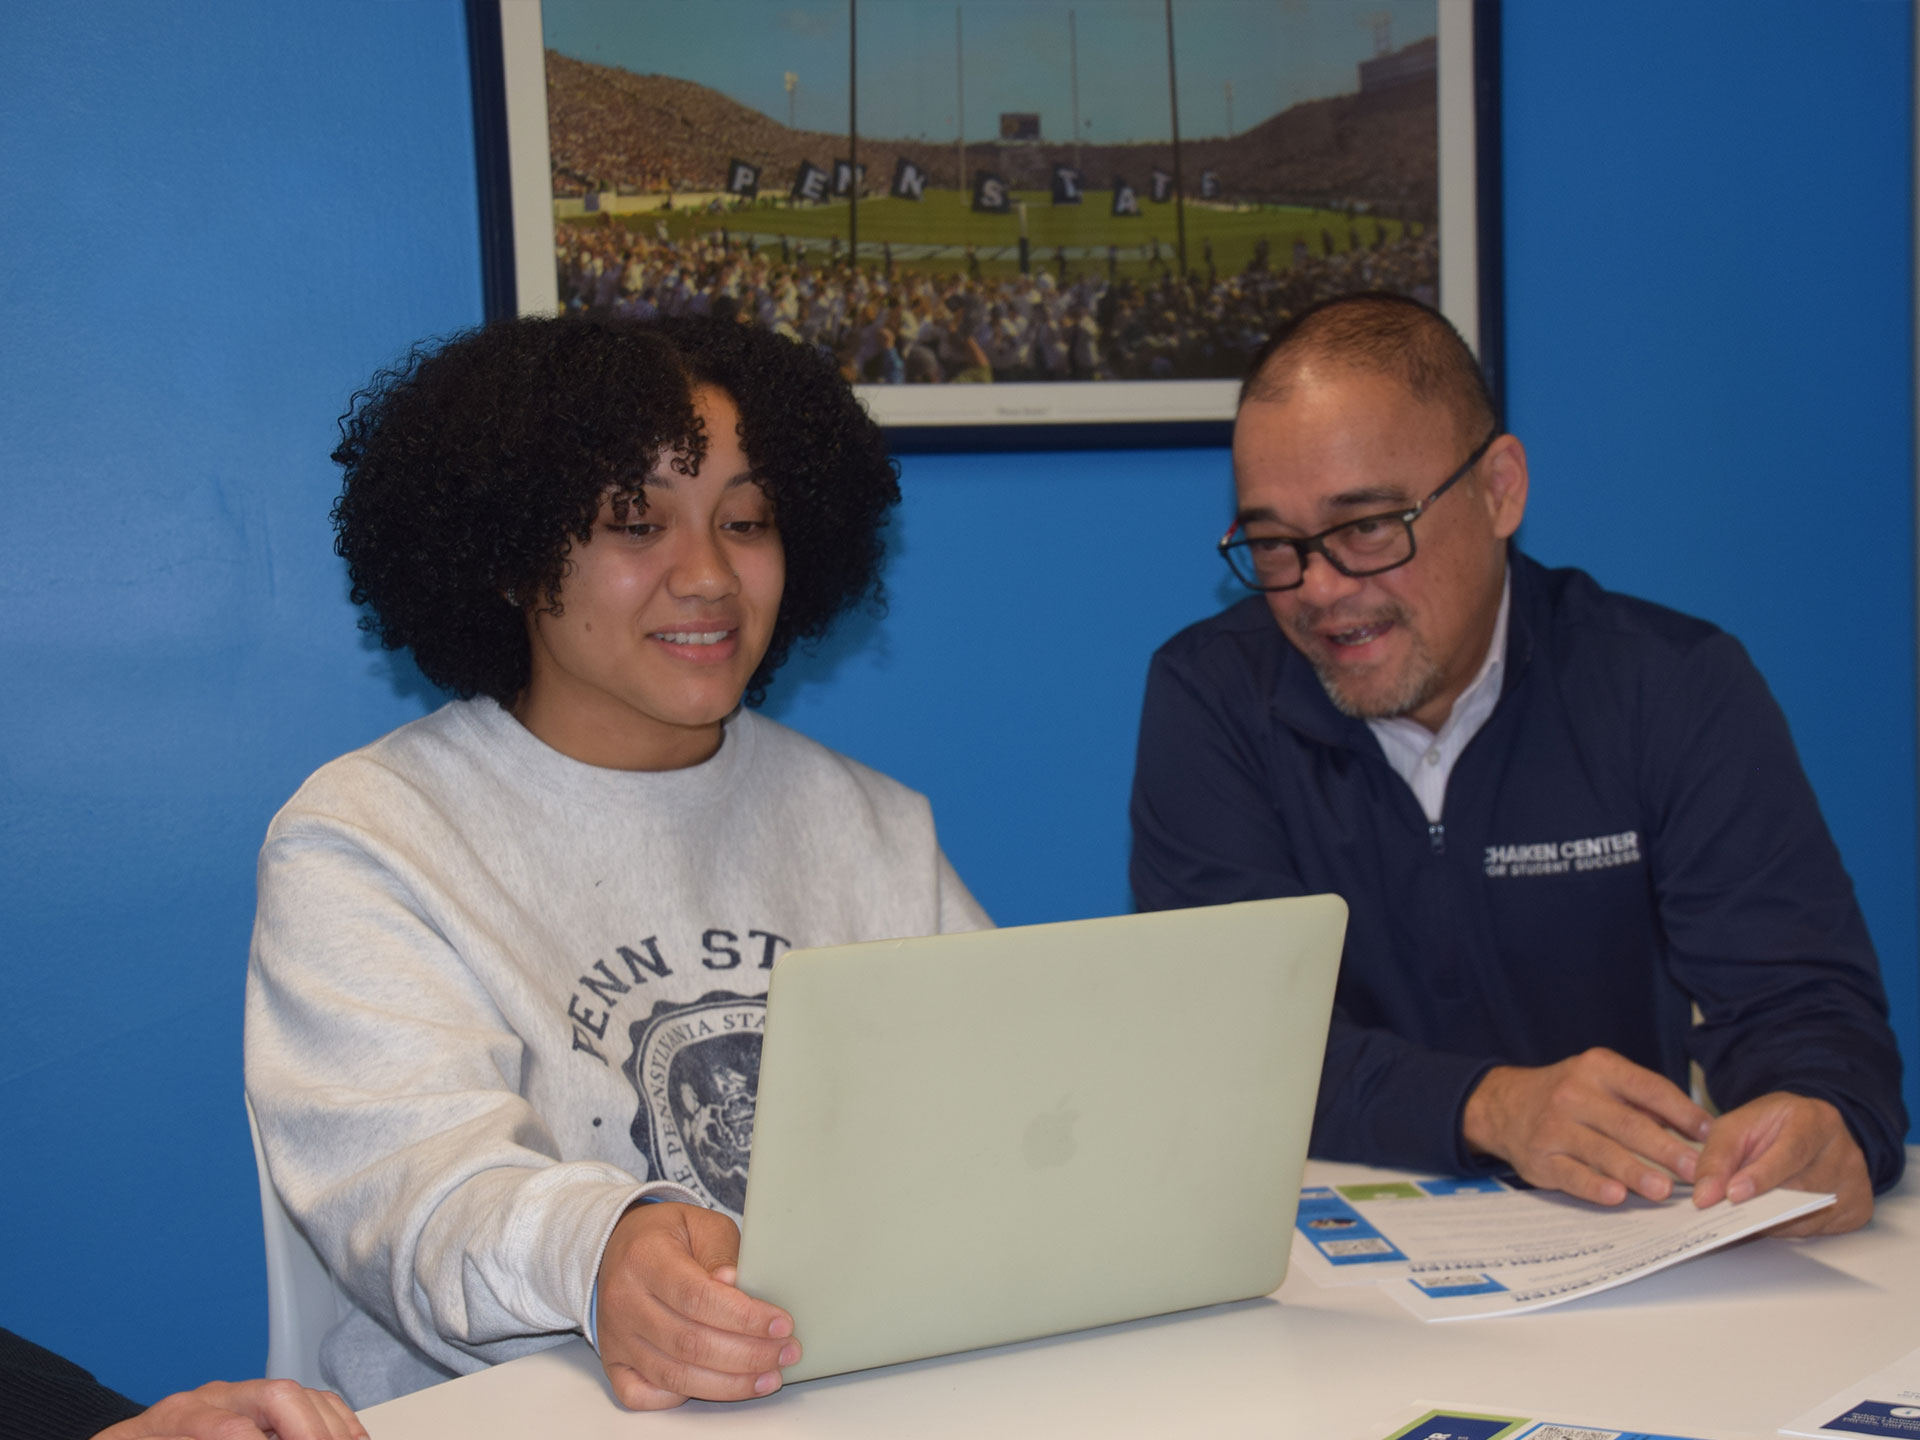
<point x="696" y="1069"/>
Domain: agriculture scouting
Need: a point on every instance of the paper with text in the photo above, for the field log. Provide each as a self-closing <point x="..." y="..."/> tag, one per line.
<point x="1462" y="1249"/>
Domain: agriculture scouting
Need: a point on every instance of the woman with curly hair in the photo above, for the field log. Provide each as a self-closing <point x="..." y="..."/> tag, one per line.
<point x="509" y="966"/>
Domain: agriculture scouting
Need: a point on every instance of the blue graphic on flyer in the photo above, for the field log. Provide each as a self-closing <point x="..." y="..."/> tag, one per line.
<point x="1465" y="1425"/>
<point x="1441" y="1425"/>
<point x="1463" y="1185"/>
<point x="1338" y="1232"/>
<point x="1458" y="1282"/>
<point x="1879" y="1417"/>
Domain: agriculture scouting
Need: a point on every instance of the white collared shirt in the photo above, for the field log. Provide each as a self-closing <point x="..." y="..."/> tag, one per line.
<point x="1425" y="759"/>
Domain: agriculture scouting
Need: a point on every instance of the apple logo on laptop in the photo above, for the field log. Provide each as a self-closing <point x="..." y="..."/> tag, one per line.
<point x="1049" y="1138"/>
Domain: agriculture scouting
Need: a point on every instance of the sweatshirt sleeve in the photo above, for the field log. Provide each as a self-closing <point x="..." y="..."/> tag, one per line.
<point x="1205" y="832"/>
<point x="1763" y="928"/>
<point x="387" y="1089"/>
<point x="958" y="909"/>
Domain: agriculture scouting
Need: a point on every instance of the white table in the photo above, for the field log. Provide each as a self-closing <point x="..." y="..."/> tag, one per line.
<point x="1725" y="1347"/>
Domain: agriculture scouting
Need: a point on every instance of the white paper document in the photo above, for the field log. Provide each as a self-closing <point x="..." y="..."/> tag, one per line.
<point x="1462" y="1249"/>
<point x="1887" y="1402"/>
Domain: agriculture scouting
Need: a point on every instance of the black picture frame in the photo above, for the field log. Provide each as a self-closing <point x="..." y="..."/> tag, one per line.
<point x="493" y="177"/>
<point x="515" y="229"/>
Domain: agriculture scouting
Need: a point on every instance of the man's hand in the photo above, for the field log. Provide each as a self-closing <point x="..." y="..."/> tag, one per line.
<point x="249" y="1410"/>
<point x="1588" y="1126"/>
<point x="672" y="1326"/>
<point x="1781" y="1139"/>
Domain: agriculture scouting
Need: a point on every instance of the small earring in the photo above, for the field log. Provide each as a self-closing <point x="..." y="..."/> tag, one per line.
<point x="511" y="598"/>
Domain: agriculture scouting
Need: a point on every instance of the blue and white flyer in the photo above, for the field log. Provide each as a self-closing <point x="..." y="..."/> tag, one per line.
<point x="1474" y="1423"/>
<point x="1887" y="1402"/>
<point x="1457" y="1250"/>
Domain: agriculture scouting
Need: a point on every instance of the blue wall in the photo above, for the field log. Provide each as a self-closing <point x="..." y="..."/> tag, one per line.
<point x="222" y="217"/>
<point x="219" y="219"/>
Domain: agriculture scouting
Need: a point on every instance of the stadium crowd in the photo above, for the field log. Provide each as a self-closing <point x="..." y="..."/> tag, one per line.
<point x="614" y="131"/>
<point x="893" y="325"/>
<point x="649" y="133"/>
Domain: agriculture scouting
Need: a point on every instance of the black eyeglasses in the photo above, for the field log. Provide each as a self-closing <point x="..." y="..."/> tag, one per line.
<point x="1371" y="545"/>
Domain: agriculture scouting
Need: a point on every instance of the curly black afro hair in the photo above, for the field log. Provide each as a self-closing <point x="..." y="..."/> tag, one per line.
<point x="472" y="467"/>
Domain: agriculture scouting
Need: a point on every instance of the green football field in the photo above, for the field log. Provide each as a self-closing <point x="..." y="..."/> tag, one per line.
<point x="945" y="219"/>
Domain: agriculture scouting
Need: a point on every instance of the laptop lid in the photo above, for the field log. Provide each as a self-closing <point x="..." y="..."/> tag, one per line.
<point x="965" y="1140"/>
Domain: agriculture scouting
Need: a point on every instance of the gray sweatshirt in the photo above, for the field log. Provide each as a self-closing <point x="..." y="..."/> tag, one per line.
<point x="496" y="995"/>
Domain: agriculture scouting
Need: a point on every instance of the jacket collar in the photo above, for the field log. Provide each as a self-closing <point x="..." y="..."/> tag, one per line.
<point x="1299" y="701"/>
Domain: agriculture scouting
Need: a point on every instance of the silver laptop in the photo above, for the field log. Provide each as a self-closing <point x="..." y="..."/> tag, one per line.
<point x="966" y="1140"/>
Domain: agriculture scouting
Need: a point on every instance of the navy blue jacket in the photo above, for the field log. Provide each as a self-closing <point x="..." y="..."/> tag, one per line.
<point x="1629" y="834"/>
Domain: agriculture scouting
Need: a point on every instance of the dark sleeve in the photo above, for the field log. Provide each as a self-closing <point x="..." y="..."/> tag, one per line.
<point x="43" y="1397"/>
<point x="1206" y="832"/>
<point x="1762" y="925"/>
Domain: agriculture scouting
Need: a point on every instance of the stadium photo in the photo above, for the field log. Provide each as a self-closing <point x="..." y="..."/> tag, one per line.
<point x="993" y="192"/>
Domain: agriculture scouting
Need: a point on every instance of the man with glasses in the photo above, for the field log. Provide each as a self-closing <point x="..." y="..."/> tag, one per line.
<point x="1563" y="819"/>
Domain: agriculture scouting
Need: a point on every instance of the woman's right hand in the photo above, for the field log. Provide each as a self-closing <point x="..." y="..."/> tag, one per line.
<point x="672" y="1325"/>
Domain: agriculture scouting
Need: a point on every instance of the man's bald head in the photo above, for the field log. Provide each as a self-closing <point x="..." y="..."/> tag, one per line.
<point x="1378" y="333"/>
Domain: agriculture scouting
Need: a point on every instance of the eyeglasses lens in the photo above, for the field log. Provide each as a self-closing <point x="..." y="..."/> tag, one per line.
<point x="1365" y="547"/>
<point x="1265" y="563"/>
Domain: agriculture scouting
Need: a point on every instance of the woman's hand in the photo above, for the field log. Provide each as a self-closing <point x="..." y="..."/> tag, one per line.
<point x="672" y="1326"/>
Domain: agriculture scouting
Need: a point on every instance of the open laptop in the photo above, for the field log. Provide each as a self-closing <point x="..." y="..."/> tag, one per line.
<point x="965" y="1140"/>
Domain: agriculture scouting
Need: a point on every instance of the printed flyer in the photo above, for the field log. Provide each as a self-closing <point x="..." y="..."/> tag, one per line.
<point x="1474" y="1423"/>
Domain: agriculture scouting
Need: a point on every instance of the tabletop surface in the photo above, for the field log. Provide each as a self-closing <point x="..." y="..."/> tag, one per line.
<point x="1728" y="1346"/>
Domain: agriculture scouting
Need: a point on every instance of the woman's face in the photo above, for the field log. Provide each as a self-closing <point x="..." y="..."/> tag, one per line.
<point x="664" y="616"/>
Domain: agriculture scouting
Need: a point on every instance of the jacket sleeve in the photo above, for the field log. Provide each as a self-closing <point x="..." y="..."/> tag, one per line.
<point x="44" y="1396"/>
<point x="387" y="1089"/>
<point x="1206" y="832"/>
<point x="1762" y="925"/>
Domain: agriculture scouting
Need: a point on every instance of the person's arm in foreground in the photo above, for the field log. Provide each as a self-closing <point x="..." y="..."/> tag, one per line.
<point x="47" y="1397"/>
<point x="246" y="1410"/>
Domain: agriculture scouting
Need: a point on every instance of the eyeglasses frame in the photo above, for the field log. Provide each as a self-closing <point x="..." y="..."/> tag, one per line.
<point x="1310" y="545"/>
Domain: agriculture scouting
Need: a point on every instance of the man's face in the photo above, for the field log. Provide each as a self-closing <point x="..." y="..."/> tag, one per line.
<point x="1340" y="444"/>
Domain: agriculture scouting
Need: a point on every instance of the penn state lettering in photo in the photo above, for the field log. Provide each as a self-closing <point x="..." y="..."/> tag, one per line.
<point x="1289" y="156"/>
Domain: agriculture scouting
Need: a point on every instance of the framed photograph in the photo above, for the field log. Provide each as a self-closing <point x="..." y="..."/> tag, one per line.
<point x="1013" y="224"/>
